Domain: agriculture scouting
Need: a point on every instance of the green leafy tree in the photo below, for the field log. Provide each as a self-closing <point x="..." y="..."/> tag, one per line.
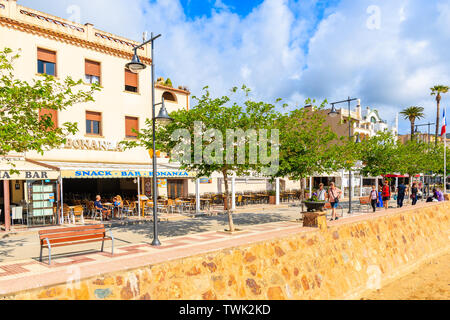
<point x="413" y="158"/>
<point x="22" y="127"/>
<point x="438" y="91"/>
<point x="199" y="148"/>
<point x="412" y="114"/>
<point x="379" y="155"/>
<point x="307" y="145"/>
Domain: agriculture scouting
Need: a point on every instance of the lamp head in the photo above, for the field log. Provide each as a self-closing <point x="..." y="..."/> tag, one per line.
<point x="333" y="113"/>
<point x="135" y="65"/>
<point x="163" y="116"/>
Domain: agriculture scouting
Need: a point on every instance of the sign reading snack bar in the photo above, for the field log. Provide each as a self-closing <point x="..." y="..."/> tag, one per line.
<point x="89" y="144"/>
<point x="97" y="174"/>
<point x="29" y="175"/>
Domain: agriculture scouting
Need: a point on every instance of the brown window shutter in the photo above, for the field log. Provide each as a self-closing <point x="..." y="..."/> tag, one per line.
<point x="46" y="55"/>
<point x="131" y="79"/>
<point x="130" y="124"/>
<point x="92" y="68"/>
<point x="93" y="116"/>
<point x="53" y="113"/>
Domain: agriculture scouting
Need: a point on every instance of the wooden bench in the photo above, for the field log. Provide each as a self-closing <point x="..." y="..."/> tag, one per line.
<point x="70" y="236"/>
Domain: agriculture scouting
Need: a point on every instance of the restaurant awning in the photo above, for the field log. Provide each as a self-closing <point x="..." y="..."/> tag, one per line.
<point x="76" y="170"/>
<point x="28" y="170"/>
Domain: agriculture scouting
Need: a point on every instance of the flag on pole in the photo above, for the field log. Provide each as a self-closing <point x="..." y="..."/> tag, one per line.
<point x="444" y="126"/>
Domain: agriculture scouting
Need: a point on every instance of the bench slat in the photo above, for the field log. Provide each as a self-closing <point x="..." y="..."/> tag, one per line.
<point x="80" y="242"/>
<point x="73" y="239"/>
<point x="59" y="230"/>
<point x="71" y="234"/>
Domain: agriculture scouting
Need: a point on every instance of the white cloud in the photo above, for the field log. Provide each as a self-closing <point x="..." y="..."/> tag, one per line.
<point x="281" y="49"/>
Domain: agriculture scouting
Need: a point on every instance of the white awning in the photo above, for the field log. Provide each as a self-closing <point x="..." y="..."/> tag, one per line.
<point x="27" y="171"/>
<point x="76" y="170"/>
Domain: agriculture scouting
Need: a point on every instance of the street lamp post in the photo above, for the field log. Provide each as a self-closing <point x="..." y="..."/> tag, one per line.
<point x="334" y="113"/>
<point x="423" y="125"/>
<point x="429" y="141"/>
<point x="137" y="66"/>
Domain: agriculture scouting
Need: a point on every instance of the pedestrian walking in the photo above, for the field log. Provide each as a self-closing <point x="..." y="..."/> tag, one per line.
<point x="401" y="190"/>
<point x="373" y="198"/>
<point x="333" y="196"/>
<point x="386" y="194"/>
<point x="414" y="192"/>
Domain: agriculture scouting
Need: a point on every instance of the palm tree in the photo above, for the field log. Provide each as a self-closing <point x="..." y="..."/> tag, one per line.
<point x="437" y="91"/>
<point x="412" y="114"/>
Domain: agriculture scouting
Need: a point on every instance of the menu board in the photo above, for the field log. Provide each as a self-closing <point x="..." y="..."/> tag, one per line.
<point x="42" y="198"/>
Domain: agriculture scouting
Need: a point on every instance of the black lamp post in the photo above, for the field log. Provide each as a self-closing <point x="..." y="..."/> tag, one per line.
<point x="137" y="66"/>
<point x="429" y="128"/>
<point x="334" y="113"/>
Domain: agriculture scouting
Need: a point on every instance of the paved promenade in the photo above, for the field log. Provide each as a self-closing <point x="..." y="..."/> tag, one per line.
<point x="17" y="275"/>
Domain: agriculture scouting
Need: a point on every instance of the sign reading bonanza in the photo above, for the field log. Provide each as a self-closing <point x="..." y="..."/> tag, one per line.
<point x="123" y="174"/>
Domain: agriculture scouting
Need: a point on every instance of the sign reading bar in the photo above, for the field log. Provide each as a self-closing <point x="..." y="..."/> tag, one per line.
<point x="123" y="174"/>
<point x="29" y="175"/>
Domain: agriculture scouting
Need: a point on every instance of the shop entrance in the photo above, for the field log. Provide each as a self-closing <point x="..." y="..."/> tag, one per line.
<point x="75" y="190"/>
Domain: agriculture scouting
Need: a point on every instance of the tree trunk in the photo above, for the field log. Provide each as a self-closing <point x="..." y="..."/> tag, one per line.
<point x="438" y="100"/>
<point x="302" y="189"/>
<point x="412" y="130"/>
<point x="226" y="202"/>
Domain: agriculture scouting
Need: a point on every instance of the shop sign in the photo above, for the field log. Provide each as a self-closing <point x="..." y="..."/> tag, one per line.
<point x="122" y="174"/>
<point x="205" y="180"/>
<point x="89" y="144"/>
<point x="29" y="175"/>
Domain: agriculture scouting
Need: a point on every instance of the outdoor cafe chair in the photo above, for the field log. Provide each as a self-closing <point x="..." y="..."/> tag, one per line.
<point x="66" y="213"/>
<point x="129" y="208"/>
<point x="78" y="212"/>
<point x="179" y="205"/>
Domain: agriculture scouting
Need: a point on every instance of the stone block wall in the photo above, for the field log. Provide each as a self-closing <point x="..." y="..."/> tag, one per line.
<point x="338" y="263"/>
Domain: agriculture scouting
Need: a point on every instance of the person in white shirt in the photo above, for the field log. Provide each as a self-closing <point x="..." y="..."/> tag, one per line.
<point x="373" y="198"/>
<point x="321" y="193"/>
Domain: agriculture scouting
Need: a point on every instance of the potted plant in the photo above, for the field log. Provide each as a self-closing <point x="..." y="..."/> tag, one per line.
<point x="272" y="197"/>
<point x="314" y="204"/>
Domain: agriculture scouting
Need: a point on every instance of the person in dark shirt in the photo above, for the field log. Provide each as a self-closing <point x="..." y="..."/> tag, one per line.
<point x="401" y="189"/>
<point x="414" y="192"/>
<point x="98" y="206"/>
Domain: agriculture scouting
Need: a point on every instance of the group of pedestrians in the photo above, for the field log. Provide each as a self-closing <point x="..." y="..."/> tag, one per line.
<point x="402" y="191"/>
<point x="333" y="195"/>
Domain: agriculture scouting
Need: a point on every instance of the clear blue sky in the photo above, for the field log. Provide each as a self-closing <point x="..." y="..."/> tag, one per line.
<point x="198" y="8"/>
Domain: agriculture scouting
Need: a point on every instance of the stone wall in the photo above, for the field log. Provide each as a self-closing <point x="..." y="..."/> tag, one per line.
<point x="339" y="263"/>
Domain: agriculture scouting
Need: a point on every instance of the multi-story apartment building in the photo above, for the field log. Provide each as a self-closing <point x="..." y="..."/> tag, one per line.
<point x="61" y="48"/>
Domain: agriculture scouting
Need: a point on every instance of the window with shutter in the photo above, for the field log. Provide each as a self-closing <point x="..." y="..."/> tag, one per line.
<point x="131" y="81"/>
<point x="46" y="62"/>
<point x="131" y="124"/>
<point x="92" y="71"/>
<point x="93" y="123"/>
<point x="53" y="114"/>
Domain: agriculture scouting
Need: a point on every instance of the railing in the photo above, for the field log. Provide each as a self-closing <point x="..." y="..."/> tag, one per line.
<point x="51" y="20"/>
<point x="104" y="36"/>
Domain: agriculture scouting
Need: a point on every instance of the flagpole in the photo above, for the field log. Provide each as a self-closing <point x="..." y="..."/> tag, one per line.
<point x="445" y="152"/>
